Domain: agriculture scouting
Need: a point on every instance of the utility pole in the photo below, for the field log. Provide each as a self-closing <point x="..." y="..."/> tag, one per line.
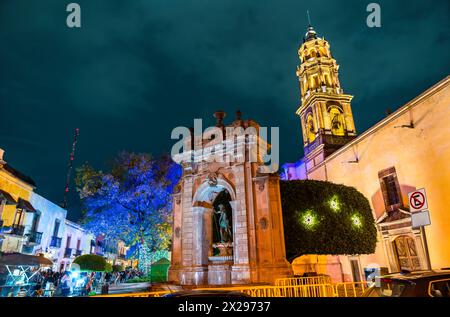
<point x="70" y="167"/>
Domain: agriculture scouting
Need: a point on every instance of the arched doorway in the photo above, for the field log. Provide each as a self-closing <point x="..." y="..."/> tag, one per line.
<point x="406" y="252"/>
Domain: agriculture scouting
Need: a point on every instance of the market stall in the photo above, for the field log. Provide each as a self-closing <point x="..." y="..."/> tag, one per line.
<point x="18" y="273"/>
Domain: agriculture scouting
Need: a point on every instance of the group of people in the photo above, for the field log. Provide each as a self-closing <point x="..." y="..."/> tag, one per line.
<point x="74" y="283"/>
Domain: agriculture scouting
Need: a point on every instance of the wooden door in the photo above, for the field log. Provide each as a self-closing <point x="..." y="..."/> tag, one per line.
<point x="407" y="256"/>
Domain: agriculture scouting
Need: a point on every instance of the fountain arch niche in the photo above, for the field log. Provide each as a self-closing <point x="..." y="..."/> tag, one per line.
<point x="222" y="228"/>
<point x="213" y="245"/>
<point x="253" y="249"/>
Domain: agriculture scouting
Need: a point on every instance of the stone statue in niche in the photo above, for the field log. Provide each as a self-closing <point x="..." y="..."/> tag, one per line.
<point x="223" y="224"/>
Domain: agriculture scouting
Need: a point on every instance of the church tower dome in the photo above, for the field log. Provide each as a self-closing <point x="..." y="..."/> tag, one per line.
<point x="325" y="110"/>
<point x="310" y="34"/>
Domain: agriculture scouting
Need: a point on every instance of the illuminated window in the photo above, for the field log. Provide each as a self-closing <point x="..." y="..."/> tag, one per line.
<point x="323" y="51"/>
<point x="337" y="122"/>
<point x="312" y="53"/>
<point x="310" y="128"/>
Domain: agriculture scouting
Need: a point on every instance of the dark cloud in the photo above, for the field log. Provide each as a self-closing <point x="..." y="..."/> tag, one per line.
<point x="136" y="69"/>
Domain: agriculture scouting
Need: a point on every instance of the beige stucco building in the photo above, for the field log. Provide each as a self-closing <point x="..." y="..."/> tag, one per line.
<point x="408" y="150"/>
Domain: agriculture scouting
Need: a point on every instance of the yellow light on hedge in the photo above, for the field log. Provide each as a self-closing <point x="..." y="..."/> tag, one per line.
<point x="356" y="221"/>
<point x="309" y="219"/>
<point x="334" y="203"/>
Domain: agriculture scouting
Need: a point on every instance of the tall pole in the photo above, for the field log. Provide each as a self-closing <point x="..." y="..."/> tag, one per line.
<point x="425" y="243"/>
<point x="70" y="167"/>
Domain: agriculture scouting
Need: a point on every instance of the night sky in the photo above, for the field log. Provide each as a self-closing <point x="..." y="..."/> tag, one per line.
<point x="137" y="69"/>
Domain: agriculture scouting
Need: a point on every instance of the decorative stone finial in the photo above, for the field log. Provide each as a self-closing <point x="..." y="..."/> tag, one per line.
<point x="219" y="115"/>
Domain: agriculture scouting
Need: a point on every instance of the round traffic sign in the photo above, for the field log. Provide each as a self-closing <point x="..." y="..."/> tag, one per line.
<point x="417" y="200"/>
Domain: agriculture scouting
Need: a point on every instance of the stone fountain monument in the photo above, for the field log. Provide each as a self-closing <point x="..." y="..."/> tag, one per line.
<point x="227" y="220"/>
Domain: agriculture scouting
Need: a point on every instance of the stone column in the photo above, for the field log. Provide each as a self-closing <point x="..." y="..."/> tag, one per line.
<point x="201" y="244"/>
<point x="326" y="116"/>
<point x="176" y="239"/>
<point x="270" y="247"/>
<point x="240" y="270"/>
<point x="186" y="231"/>
<point x="348" y="117"/>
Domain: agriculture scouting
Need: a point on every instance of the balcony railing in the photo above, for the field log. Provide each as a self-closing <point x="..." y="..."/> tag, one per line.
<point x="18" y="230"/>
<point x="68" y="253"/>
<point x="35" y="237"/>
<point x="111" y="250"/>
<point x="55" y="242"/>
<point x="78" y="252"/>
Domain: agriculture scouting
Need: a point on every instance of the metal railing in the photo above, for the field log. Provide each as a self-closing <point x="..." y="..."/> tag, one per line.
<point x="109" y="249"/>
<point x="314" y="290"/>
<point x="350" y="289"/>
<point x="17" y="230"/>
<point x="317" y="286"/>
<point x="317" y="290"/>
<point x="310" y="280"/>
<point x="35" y="237"/>
<point x="55" y="242"/>
<point x="68" y="252"/>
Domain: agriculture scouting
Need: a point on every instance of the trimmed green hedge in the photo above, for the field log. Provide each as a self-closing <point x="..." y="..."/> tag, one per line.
<point x="325" y="218"/>
<point x="108" y="267"/>
<point x="117" y="268"/>
<point x="91" y="262"/>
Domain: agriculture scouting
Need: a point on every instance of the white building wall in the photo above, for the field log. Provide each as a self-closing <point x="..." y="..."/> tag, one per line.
<point x="76" y="233"/>
<point x="49" y="213"/>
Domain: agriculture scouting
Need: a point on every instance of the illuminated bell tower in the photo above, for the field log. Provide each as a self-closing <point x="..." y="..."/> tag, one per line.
<point x="325" y="111"/>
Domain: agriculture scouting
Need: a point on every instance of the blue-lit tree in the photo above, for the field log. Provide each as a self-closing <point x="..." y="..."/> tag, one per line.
<point x="132" y="202"/>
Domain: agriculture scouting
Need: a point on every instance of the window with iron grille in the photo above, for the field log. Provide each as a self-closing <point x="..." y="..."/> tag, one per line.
<point x="390" y="188"/>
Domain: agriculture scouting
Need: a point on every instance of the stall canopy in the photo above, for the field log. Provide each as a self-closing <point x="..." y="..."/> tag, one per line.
<point x="10" y="259"/>
<point x="21" y="268"/>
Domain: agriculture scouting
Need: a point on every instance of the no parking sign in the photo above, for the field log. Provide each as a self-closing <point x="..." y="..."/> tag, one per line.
<point x="417" y="200"/>
<point x="418" y="205"/>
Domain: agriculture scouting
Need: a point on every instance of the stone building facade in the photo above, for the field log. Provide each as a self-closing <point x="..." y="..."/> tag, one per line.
<point x="255" y="250"/>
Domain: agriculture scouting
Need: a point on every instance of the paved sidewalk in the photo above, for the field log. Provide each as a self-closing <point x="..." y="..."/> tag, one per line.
<point x="125" y="288"/>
